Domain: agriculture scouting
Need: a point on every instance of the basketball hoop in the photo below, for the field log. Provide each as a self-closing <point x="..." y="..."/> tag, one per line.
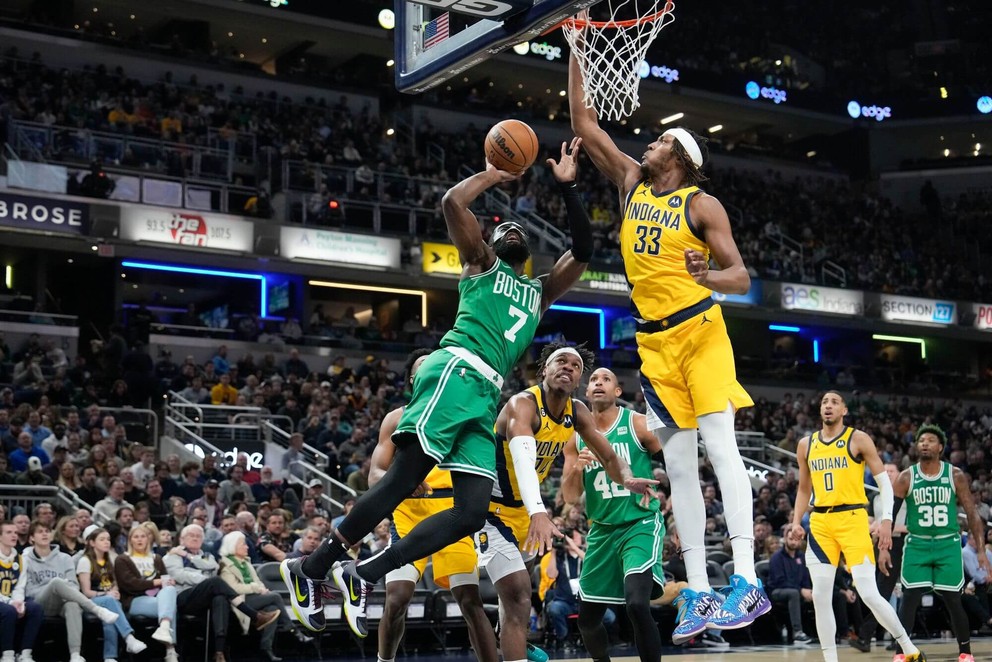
<point x="611" y="52"/>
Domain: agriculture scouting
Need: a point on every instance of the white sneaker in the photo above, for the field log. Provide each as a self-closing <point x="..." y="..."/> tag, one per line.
<point x="25" y="656"/>
<point x="171" y="655"/>
<point x="106" y="615"/>
<point x="109" y="659"/>
<point x="8" y="656"/>
<point x="134" y="645"/>
<point x="76" y="657"/>
<point x="163" y="633"/>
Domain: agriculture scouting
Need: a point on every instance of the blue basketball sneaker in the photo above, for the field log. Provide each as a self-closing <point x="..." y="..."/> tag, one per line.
<point x="745" y="602"/>
<point x="535" y="654"/>
<point x="695" y="611"/>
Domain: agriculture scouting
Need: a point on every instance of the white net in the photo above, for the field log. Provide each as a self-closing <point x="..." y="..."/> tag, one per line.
<point x="611" y="51"/>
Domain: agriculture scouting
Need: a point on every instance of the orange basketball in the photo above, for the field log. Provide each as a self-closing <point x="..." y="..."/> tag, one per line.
<point x="511" y="146"/>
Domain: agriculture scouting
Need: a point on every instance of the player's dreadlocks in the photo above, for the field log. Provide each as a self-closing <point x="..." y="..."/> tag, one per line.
<point x="588" y="357"/>
<point x="933" y="429"/>
<point x="693" y="174"/>
<point x="410" y="360"/>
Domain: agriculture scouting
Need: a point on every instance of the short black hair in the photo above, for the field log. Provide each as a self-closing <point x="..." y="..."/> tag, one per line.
<point x="588" y="357"/>
<point x="935" y="430"/>
<point x="411" y="359"/>
<point x="835" y="392"/>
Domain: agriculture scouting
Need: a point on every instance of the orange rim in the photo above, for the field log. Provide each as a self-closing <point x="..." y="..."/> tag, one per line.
<point x="579" y="24"/>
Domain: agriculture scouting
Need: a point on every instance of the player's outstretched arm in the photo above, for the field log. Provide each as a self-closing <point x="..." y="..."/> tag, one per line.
<point x="463" y="226"/>
<point x="616" y="467"/>
<point x="713" y="223"/>
<point x="803" y="491"/>
<point x="570" y="266"/>
<point x="962" y="485"/>
<point x="622" y="170"/>
<point x="571" y="475"/>
<point x="863" y="445"/>
<point x="521" y="420"/>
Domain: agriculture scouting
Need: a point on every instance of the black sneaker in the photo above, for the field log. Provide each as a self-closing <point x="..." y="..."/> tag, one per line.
<point x="862" y="645"/>
<point x="304" y="595"/>
<point x="355" y="592"/>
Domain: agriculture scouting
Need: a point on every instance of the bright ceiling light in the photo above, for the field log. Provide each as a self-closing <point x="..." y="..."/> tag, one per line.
<point x="715" y="128"/>
<point x="672" y="118"/>
<point x="387" y="19"/>
<point x="522" y="48"/>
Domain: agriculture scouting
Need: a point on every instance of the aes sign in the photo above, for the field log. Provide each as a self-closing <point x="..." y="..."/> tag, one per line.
<point x="814" y="298"/>
<point x="30" y="213"/>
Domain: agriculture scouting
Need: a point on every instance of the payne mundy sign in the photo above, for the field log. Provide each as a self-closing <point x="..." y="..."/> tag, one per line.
<point x="184" y="227"/>
<point x="30" y="213"/>
<point x="912" y="309"/>
<point x="344" y="247"/>
<point x="983" y="316"/>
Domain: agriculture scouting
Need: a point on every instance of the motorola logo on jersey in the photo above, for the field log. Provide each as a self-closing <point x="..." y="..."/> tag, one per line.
<point x="568" y="421"/>
<point x="675" y="202"/>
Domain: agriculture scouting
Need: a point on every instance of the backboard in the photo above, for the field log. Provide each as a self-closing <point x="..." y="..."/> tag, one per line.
<point x="438" y="39"/>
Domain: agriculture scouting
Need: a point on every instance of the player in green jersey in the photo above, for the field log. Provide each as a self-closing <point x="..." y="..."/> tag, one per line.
<point x="931" y="557"/>
<point x="449" y="420"/>
<point x="623" y="558"/>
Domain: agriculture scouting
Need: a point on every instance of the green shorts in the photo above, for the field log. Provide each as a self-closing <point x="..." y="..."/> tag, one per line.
<point x="615" y="551"/>
<point x="932" y="563"/>
<point x="452" y="414"/>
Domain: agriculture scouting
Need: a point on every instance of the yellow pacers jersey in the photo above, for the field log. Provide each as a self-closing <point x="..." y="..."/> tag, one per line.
<point x="10" y="571"/>
<point x="656" y="231"/>
<point x="838" y="479"/>
<point x="551" y="439"/>
<point x="439" y="479"/>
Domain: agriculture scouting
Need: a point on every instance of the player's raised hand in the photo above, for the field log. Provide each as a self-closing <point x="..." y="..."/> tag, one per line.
<point x="884" y="562"/>
<point x="502" y="175"/>
<point x="697" y="265"/>
<point x="541" y="534"/>
<point x="567" y="167"/>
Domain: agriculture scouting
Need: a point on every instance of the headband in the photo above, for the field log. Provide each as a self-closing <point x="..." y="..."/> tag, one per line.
<point x="566" y="350"/>
<point x="688" y="142"/>
<point x="506" y="226"/>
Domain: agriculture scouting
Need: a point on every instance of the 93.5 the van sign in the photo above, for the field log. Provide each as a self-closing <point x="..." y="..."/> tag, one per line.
<point x="479" y="8"/>
<point x="30" y="213"/>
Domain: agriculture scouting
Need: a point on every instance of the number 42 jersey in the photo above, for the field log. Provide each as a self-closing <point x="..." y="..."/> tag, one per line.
<point x="498" y="314"/>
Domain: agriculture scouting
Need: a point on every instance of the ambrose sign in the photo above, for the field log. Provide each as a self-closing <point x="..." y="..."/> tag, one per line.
<point x="31" y="213"/>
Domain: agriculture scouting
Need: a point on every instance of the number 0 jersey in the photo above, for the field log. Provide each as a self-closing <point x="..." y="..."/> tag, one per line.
<point x="838" y="478"/>
<point x="550" y="438"/>
<point x="932" y="503"/>
<point x="498" y="314"/>
<point x="655" y="232"/>
<point x="10" y="572"/>
<point x="606" y="501"/>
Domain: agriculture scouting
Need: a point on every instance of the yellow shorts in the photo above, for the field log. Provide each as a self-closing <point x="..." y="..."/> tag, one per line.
<point x="455" y="559"/>
<point x="514" y="521"/>
<point x="688" y="371"/>
<point x="833" y="534"/>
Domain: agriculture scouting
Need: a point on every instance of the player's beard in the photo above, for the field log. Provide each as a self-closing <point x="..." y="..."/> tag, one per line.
<point x="512" y="252"/>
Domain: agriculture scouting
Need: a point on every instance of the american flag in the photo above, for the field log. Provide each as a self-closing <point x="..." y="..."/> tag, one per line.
<point x="436" y="31"/>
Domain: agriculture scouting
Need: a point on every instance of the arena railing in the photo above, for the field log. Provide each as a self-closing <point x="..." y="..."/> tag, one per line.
<point x="309" y="472"/>
<point x="35" y="317"/>
<point x="129" y="416"/>
<point x="29" y="496"/>
<point x="181" y="438"/>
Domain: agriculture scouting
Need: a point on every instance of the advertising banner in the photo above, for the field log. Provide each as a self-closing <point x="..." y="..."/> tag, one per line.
<point x="983" y="316"/>
<point x="817" y="299"/>
<point x="327" y="246"/>
<point x="443" y="259"/>
<point x="912" y="309"/>
<point x="182" y="227"/>
<point x="30" y="213"/>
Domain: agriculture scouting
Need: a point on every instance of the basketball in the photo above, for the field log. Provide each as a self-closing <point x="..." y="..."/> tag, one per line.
<point x="512" y="146"/>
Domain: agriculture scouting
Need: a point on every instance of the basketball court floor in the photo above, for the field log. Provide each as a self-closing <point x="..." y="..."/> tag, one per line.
<point x="937" y="650"/>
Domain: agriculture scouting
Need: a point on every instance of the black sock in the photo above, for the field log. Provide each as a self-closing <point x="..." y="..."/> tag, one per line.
<point x="594" y="635"/>
<point x="637" y="595"/>
<point x="959" y="620"/>
<point x="318" y="564"/>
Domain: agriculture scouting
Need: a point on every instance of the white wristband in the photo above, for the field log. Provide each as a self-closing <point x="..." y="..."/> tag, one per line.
<point x="523" y="450"/>
<point x="887" y="494"/>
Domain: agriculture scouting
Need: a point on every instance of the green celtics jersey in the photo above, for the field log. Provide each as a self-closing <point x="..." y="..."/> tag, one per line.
<point x="932" y="503"/>
<point x="498" y="313"/>
<point x="607" y="502"/>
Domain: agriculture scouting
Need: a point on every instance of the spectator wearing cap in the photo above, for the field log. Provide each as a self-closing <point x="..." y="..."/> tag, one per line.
<point x="25" y="450"/>
<point x="211" y="502"/>
<point x="33" y="475"/>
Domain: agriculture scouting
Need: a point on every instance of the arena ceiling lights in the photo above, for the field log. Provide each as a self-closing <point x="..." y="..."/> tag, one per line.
<point x="217" y="273"/>
<point x="373" y="288"/>
<point x="589" y="311"/>
<point x="920" y="341"/>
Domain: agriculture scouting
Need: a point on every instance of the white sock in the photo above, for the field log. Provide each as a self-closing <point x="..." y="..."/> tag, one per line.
<point x="864" y="581"/>
<point x="717" y="430"/>
<point x="682" y="465"/>
<point x="386" y="659"/>
<point x="822" y="575"/>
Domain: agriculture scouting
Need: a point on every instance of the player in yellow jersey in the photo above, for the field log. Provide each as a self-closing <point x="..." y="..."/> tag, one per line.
<point x="531" y="432"/>
<point x="671" y="229"/>
<point x="832" y="464"/>
<point x="455" y="566"/>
